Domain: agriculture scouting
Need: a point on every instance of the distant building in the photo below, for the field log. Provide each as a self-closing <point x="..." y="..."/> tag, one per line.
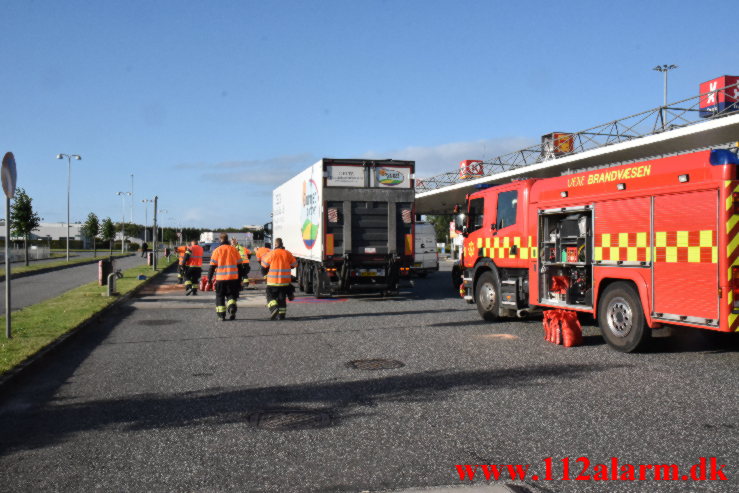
<point x="51" y="231"/>
<point x="246" y="239"/>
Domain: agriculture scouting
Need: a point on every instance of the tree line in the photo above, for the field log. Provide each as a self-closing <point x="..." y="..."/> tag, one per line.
<point x="24" y="220"/>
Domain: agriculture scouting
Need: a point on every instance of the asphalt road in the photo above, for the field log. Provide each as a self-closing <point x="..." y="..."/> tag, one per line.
<point x="35" y="288"/>
<point x="161" y="397"/>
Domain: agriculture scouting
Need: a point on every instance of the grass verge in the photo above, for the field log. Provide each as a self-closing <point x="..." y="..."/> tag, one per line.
<point x="60" y="263"/>
<point x="37" y="326"/>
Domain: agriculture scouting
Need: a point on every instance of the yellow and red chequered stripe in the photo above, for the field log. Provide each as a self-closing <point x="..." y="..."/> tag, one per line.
<point x="669" y="247"/>
<point x="625" y="247"/>
<point x="732" y="247"/>
<point x="499" y="247"/>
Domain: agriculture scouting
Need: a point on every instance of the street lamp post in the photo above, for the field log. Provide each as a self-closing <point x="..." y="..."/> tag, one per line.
<point x="146" y="216"/>
<point x="123" y="217"/>
<point x="131" y="198"/>
<point x="664" y="69"/>
<point x="161" y="228"/>
<point x="69" y="186"/>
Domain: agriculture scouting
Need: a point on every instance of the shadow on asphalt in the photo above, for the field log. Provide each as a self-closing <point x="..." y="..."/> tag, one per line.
<point x="327" y="316"/>
<point x="342" y="401"/>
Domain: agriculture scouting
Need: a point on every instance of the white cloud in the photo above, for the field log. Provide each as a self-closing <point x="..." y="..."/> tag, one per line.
<point x="441" y="158"/>
<point x="272" y="171"/>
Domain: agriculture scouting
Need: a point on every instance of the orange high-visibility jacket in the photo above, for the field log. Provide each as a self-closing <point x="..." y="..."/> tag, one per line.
<point x="195" y="257"/>
<point x="261" y="252"/>
<point x="227" y="262"/>
<point x="181" y="254"/>
<point x="280" y="262"/>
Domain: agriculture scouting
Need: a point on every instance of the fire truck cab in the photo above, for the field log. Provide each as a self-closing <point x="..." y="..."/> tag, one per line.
<point x="639" y="246"/>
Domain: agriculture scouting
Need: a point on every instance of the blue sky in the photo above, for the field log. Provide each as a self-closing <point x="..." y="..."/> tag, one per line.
<point x="210" y="104"/>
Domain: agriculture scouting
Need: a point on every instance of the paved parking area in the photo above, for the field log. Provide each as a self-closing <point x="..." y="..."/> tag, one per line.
<point x="162" y="397"/>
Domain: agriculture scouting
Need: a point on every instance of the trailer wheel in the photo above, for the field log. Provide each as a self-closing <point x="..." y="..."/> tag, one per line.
<point x="301" y="277"/>
<point x="308" y="279"/>
<point x="621" y="318"/>
<point x="317" y="284"/>
<point x="487" y="295"/>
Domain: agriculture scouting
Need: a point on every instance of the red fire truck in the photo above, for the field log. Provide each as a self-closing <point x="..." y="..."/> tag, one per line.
<point x="640" y="246"/>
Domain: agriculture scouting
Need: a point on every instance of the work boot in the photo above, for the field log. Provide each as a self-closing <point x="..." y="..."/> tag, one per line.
<point x="232" y="311"/>
<point x="282" y="316"/>
<point x="194" y="291"/>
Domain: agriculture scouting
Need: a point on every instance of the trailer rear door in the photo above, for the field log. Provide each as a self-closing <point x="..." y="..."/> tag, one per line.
<point x="685" y="239"/>
<point x="369" y="227"/>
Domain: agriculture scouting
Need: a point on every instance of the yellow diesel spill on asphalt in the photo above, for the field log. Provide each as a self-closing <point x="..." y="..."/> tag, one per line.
<point x="507" y="337"/>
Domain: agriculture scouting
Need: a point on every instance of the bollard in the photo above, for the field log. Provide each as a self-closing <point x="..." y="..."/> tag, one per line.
<point x="111" y="285"/>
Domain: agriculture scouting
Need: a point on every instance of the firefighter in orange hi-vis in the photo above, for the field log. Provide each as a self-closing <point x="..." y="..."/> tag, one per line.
<point x="245" y="257"/>
<point x="193" y="261"/>
<point x="261" y="252"/>
<point x="279" y="263"/>
<point x="181" y="263"/>
<point x="225" y="264"/>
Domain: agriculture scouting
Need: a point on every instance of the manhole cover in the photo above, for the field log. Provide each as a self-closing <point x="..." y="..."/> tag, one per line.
<point x="289" y="419"/>
<point x="375" y="364"/>
<point x="159" y="322"/>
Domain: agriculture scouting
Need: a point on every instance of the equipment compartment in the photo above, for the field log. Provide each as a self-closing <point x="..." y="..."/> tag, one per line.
<point x="566" y="255"/>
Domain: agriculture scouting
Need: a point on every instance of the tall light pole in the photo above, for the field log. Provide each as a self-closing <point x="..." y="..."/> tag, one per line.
<point x="69" y="186"/>
<point x="146" y="215"/>
<point x="123" y="217"/>
<point x="664" y="69"/>
<point x="162" y="211"/>
<point x="131" y="198"/>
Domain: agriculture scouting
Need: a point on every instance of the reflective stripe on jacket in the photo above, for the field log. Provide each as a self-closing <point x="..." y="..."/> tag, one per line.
<point x="195" y="259"/>
<point x="279" y="262"/>
<point x="227" y="261"/>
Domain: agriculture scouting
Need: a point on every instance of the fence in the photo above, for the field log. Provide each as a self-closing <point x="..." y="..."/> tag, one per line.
<point x="19" y="255"/>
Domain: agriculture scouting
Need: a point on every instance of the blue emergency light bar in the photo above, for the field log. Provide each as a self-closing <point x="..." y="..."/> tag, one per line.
<point x="720" y="157"/>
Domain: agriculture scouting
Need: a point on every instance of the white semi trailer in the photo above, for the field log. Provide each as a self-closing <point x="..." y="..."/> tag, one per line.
<point x="349" y="222"/>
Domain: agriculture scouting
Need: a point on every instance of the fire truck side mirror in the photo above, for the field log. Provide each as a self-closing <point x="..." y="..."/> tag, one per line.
<point x="460" y="223"/>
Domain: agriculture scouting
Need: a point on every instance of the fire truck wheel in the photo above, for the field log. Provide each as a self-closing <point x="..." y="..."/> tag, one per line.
<point x="487" y="295"/>
<point x="621" y="318"/>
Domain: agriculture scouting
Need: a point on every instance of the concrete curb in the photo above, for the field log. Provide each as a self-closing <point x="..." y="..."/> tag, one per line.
<point x="9" y="378"/>
<point x="52" y="269"/>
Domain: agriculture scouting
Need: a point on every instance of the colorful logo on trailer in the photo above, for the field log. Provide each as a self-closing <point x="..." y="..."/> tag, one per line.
<point x="310" y="214"/>
<point x="389" y="177"/>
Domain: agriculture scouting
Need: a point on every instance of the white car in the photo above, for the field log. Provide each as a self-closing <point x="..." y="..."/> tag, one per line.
<point x="426" y="258"/>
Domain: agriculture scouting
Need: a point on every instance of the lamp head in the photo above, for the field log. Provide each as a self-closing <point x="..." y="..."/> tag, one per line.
<point x="59" y="156"/>
<point x="78" y="157"/>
